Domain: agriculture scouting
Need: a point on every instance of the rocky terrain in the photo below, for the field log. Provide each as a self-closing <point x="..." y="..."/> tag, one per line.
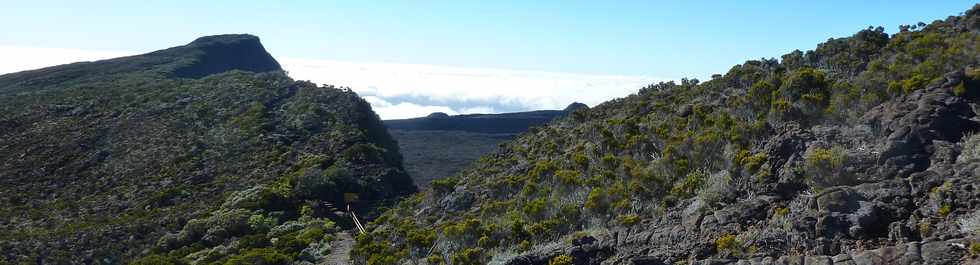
<point x="862" y="151"/>
<point x="203" y="153"/>
<point x="440" y="145"/>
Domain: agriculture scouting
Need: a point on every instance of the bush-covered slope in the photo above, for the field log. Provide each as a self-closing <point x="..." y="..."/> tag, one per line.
<point x="861" y="151"/>
<point x="203" y="152"/>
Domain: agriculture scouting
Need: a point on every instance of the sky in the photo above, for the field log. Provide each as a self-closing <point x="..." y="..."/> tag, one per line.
<point x="411" y="58"/>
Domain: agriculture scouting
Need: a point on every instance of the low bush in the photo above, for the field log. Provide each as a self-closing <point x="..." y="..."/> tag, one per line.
<point x="689" y="185"/>
<point x="469" y="256"/>
<point x="157" y="260"/>
<point x="596" y="200"/>
<point x="629" y="219"/>
<point x="261" y="256"/>
<point x="444" y="186"/>
<point x="825" y="167"/>
<point x="561" y="260"/>
<point x="729" y="244"/>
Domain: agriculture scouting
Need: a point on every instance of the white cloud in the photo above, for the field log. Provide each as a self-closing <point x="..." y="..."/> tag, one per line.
<point x="478" y="109"/>
<point x="466" y="89"/>
<point x="406" y="90"/>
<point x="403" y="110"/>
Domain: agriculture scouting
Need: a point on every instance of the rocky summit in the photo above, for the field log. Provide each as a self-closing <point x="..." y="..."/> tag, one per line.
<point x="206" y="152"/>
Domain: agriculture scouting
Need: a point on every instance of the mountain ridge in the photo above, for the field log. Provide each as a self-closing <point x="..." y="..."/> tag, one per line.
<point x="198" y="58"/>
<point x="500" y="123"/>
<point x="177" y="154"/>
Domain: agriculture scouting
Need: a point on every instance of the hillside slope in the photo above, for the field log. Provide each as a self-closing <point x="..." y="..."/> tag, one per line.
<point x="862" y="151"/>
<point x="203" y="152"/>
<point x="502" y="123"/>
<point x="433" y="155"/>
<point x="439" y="145"/>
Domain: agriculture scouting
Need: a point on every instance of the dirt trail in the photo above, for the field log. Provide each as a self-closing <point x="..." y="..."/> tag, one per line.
<point x="340" y="249"/>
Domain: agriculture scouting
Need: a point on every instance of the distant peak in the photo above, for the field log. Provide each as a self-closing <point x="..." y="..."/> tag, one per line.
<point x="575" y="106"/>
<point x="226" y="39"/>
<point x="221" y="53"/>
<point x="438" y="115"/>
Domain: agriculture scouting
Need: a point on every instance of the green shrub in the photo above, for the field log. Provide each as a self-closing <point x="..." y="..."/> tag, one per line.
<point x="689" y="185"/>
<point x="825" y="167"/>
<point x="157" y="260"/>
<point x="252" y="119"/>
<point x="973" y="73"/>
<point x="535" y="208"/>
<point x="915" y="82"/>
<point x="164" y="197"/>
<point x="569" y="177"/>
<point x="544" y="228"/>
<point x="421" y="238"/>
<point x="782" y="211"/>
<point x="530" y="188"/>
<point x="728" y="243"/>
<point x="262" y="223"/>
<point x="629" y="219"/>
<point x="925" y="228"/>
<point x="435" y="259"/>
<point x="261" y="256"/>
<point x="596" y="200"/>
<point x="762" y="93"/>
<point x="469" y="256"/>
<point x="466" y="229"/>
<point x="781" y="106"/>
<point x="486" y="242"/>
<point x="570" y="212"/>
<point x="311" y="234"/>
<point x="805" y="81"/>
<point x="290" y="243"/>
<point x="610" y="161"/>
<point x="754" y="162"/>
<point x="524" y="245"/>
<point x="895" y="87"/>
<point x="517" y="228"/>
<point x="580" y="159"/>
<point x="255" y="198"/>
<point x="362" y="152"/>
<point x="376" y="251"/>
<point x="945" y="210"/>
<point x="561" y="260"/>
<point x="444" y="186"/>
<point x="253" y="241"/>
<point x="541" y="167"/>
<point x="960" y="89"/>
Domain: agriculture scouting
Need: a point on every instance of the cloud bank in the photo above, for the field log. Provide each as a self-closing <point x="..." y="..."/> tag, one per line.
<point x="398" y="91"/>
<point x="412" y="90"/>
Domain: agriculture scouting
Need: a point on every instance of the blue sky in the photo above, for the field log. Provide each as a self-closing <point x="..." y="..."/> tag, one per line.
<point x="643" y="40"/>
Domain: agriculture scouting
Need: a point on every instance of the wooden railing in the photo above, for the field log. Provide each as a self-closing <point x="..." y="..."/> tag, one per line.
<point x="357" y="223"/>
